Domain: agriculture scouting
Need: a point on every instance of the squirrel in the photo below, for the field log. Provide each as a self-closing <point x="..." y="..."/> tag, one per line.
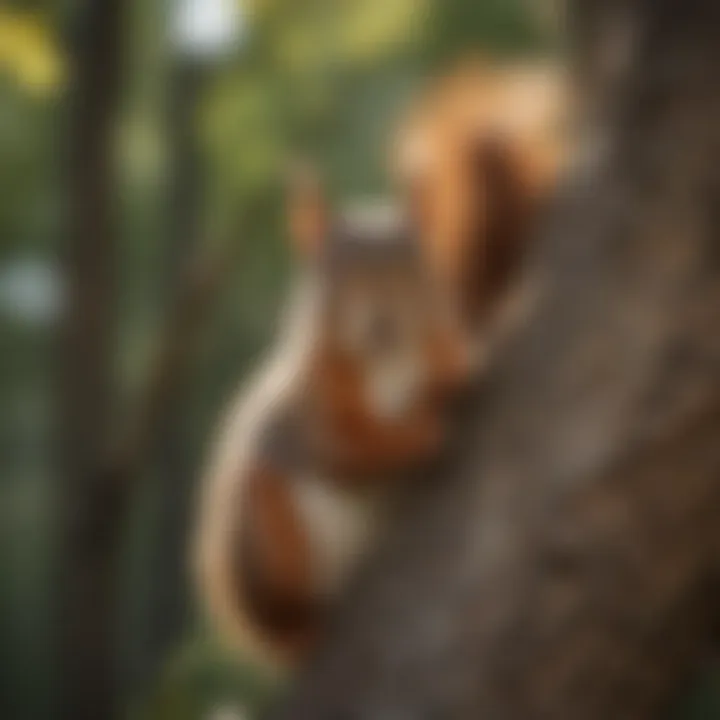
<point x="394" y="315"/>
<point x="353" y="396"/>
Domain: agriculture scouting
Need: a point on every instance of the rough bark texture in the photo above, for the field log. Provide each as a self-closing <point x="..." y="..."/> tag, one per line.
<point x="562" y="564"/>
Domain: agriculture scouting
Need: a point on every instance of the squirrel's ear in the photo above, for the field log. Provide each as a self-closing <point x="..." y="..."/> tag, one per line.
<point x="308" y="212"/>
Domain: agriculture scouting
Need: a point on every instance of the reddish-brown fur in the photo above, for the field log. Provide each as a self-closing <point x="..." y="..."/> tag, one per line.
<point x="276" y="562"/>
<point x="358" y="444"/>
<point x="475" y="157"/>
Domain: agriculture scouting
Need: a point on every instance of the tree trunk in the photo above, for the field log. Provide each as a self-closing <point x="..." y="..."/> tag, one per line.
<point x="85" y="586"/>
<point x="562" y="564"/>
<point x="168" y="602"/>
<point x="100" y="459"/>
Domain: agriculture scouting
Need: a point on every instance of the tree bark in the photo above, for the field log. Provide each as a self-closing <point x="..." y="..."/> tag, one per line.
<point x="562" y="563"/>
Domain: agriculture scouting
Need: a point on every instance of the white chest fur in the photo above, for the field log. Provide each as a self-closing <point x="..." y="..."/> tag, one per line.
<point x="343" y="523"/>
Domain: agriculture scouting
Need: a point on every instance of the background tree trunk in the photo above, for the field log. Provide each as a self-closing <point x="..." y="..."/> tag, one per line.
<point x="168" y="602"/>
<point x="562" y="564"/>
<point x="85" y="586"/>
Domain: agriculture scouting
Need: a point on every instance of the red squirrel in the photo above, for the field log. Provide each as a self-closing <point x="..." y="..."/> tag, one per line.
<point x="391" y="318"/>
<point x="353" y="395"/>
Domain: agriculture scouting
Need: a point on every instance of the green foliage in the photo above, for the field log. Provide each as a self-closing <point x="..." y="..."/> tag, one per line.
<point x="202" y="680"/>
<point x="28" y="199"/>
<point x="29" y="52"/>
<point x="496" y="26"/>
<point x="702" y="702"/>
<point x="290" y="84"/>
